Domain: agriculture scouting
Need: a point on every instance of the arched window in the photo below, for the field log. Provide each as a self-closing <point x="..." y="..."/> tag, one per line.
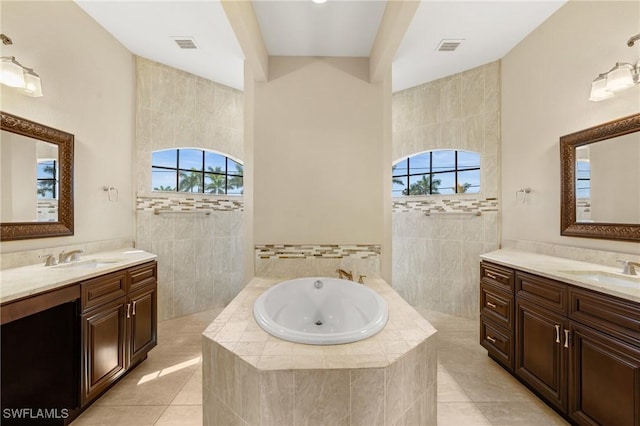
<point x="195" y="170"/>
<point x="437" y="172"/>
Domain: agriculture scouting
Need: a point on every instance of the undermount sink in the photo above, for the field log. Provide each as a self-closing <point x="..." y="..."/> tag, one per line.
<point x="603" y="277"/>
<point x="89" y="263"/>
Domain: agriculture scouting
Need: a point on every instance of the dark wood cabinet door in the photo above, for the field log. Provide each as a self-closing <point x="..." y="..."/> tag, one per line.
<point x="541" y="353"/>
<point x="605" y="380"/>
<point x="103" y="343"/>
<point x="142" y="322"/>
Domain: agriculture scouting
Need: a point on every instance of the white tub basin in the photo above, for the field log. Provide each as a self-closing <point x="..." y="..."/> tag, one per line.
<point x="321" y="311"/>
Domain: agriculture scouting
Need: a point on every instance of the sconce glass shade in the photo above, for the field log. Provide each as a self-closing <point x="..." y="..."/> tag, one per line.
<point x="33" y="86"/>
<point x="11" y="73"/>
<point x="620" y="78"/>
<point x="599" y="90"/>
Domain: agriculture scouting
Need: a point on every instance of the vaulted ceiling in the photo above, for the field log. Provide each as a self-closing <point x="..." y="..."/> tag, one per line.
<point x="486" y="31"/>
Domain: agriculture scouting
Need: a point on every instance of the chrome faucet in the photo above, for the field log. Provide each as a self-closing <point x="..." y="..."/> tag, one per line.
<point x="66" y="257"/>
<point x="628" y="267"/>
<point x="50" y="260"/>
<point x="342" y="274"/>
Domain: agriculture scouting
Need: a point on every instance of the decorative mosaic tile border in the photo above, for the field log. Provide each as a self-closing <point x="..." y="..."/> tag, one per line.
<point x="327" y="251"/>
<point x="460" y="205"/>
<point x="188" y="204"/>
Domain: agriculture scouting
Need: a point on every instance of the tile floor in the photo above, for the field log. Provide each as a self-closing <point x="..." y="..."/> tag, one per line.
<point x="166" y="388"/>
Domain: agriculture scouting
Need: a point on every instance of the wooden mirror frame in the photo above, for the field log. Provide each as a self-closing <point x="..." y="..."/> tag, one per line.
<point x="64" y="141"/>
<point x="568" y="145"/>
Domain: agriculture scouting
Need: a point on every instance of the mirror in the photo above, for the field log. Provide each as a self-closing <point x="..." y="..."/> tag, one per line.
<point x="36" y="187"/>
<point x="600" y="181"/>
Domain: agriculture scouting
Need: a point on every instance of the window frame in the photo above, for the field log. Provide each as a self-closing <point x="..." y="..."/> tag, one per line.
<point x="433" y="174"/>
<point x="202" y="172"/>
<point x="53" y="180"/>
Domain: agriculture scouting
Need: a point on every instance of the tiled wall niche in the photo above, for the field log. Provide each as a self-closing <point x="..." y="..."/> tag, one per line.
<point x="311" y="260"/>
<point x="200" y="257"/>
<point x="435" y="258"/>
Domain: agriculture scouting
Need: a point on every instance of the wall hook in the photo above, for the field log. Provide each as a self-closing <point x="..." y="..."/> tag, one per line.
<point x="524" y="191"/>
<point x="112" y="192"/>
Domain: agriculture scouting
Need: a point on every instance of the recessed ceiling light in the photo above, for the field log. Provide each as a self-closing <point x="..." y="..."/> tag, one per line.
<point x="319" y="1"/>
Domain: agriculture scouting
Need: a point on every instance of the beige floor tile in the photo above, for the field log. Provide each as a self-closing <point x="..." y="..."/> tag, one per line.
<point x="181" y="415"/>
<point x="521" y="413"/>
<point x="120" y="416"/>
<point x="448" y="389"/>
<point x="150" y="390"/>
<point x="460" y="413"/>
<point x="191" y="393"/>
<point x="166" y="389"/>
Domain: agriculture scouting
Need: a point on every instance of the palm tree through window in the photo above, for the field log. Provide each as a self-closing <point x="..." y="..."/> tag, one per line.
<point x="437" y="172"/>
<point x="196" y="170"/>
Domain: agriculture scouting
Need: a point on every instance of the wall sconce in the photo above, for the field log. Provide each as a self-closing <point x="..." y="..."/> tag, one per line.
<point x="14" y="74"/>
<point x="621" y="77"/>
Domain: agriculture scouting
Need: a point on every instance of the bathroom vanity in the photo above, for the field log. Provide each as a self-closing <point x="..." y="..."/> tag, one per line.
<point x="71" y="331"/>
<point x="568" y="330"/>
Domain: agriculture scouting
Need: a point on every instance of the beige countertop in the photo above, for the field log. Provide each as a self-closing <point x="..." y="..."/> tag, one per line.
<point x="236" y="330"/>
<point x="569" y="271"/>
<point x="17" y="283"/>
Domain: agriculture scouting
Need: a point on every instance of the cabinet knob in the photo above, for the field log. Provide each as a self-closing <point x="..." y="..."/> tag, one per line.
<point x="128" y="310"/>
<point x="134" y="307"/>
<point x="491" y="339"/>
<point x="491" y="305"/>
<point x="557" y="333"/>
<point x="490" y="275"/>
<point x="566" y="338"/>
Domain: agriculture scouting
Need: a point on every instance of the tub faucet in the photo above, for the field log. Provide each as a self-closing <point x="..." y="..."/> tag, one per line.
<point x="342" y="274"/>
<point x="628" y="267"/>
<point x="360" y="279"/>
<point x="65" y="257"/>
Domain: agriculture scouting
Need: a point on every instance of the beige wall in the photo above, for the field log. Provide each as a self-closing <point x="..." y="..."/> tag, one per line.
<point x="545" y="85"/>
<point x="318" y="147"/>
<point x="88" y="84"/>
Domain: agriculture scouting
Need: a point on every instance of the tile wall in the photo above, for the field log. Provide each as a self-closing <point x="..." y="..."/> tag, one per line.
<point x="435" y="258"/>
<point x="312" y="260"/>
<point x="200" y="256"/>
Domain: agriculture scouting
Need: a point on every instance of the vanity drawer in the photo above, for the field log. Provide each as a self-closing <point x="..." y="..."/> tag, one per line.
<point x="143" y="275"/>
<point x="611" y="315"/>
<point x="543" y="291"/>
<point x="499" y="276"/>
<point x="100" y="290"/>
<point x="497" y="305"/>
<point x="497" y="341"/>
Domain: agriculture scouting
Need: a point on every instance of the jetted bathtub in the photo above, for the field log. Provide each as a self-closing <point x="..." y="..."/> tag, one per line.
<point x="321" y="311"/>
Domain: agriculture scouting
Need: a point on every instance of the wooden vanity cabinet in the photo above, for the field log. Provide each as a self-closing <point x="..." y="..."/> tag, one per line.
<point x="497" y="313"/>
<point x="579" y="350"/>
<point x="141" y="312"/>
<point x="604" y="385"/>
<point x="119" y="323"/>
<point x="542" y="339"/>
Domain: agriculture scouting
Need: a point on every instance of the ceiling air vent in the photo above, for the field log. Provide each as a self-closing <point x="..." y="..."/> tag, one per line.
<point x="448" y="45"/>
<point x="185" y="42"/>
